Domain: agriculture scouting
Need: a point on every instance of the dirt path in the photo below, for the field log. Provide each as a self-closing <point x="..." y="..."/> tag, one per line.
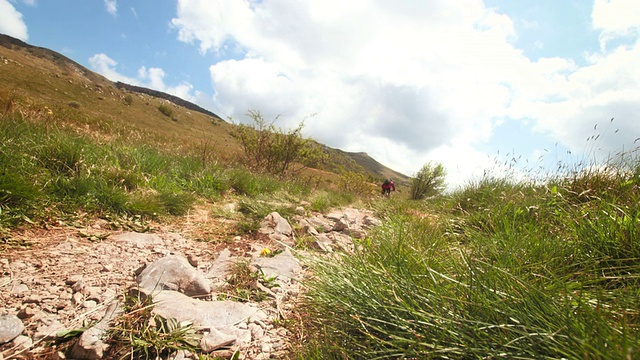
<point x="65" y="276"/>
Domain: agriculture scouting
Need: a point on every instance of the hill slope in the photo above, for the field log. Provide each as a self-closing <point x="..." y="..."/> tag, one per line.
<point x="37" y="77"/>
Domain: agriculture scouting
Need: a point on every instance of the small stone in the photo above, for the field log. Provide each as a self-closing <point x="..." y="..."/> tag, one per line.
<point x="26" y="312"/>
<point x="22" y="342"/>
<point x="33" y="299"/>
<point x="78" y="286"/>
<point x="107" y="268"/>
<point x="77" y="298"/>
<point x="215" y="340"/>
<point x="89" y="304"/>
<point x="19" y="289"/>
<point x="10" y="327"/>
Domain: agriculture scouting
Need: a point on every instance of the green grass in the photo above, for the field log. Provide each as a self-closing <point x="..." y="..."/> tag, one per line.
<point x="49" y="171"/>
<point x="499" y="270"/>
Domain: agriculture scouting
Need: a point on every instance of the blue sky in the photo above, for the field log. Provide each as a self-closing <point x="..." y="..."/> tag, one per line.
<point x="467" y="83"/>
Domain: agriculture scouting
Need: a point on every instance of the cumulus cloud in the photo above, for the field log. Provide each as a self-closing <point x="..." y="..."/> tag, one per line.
<point x="616" y="18"/>
<point x="411" y="81"/>
<point x="11" y="22"/>
<point x="417" y="75"/>
<point x="151" y="78"/>
<point x="111" y="6"/>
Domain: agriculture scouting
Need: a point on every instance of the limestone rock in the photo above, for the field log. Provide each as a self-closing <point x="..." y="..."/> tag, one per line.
<point x="276" y="227"/>
<point x="10" y="327"/>
<point x="215" y="340"/>
<point x="173" y="273"/>
<point x="90" y="345"/>
<point x="282" y="265"/>
<point x="139" y="240"/>
<point x="204" y="314"/>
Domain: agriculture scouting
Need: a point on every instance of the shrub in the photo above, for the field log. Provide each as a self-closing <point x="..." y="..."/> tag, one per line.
<point x="166" y="110"/>
<point x="128" y="99"/>
<point x="355" y="183"/>
<point x="429" y="181"/>
<point x="274" y="150"/>
<point x="74" y="104"/>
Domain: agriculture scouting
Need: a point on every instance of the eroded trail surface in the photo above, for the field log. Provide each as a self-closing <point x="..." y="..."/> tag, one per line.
<point x="70" y="278"/>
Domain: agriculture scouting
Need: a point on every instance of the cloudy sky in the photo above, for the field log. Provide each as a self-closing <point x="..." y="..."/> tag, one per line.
<point x="470" y="84"/>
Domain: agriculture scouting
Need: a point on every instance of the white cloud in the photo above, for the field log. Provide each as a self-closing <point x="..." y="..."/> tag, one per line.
<point x="11" y="22"/>
<point x="413" y="81"/>
<point x="111" y="6"/>
<point x="395" y="80"/>
<point x="616" y="15"/>
<point x="151" y="78"/>
<point x="106" y="66"/>
<point x="616" y="18"/>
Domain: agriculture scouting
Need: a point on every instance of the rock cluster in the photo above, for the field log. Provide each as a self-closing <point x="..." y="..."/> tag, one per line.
<point x="73" y="282"/>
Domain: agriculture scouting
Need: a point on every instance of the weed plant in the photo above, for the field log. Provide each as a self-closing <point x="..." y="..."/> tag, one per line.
<point x="539" y="270"/>
<point x="325" y="200"/>
<point x="141" y="334"/>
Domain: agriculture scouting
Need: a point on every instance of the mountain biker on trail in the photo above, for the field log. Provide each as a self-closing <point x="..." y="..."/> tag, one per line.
<point x="387" y="187"/>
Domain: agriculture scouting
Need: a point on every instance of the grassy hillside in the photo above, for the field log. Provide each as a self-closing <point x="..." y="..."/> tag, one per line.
<point x="34" y="78"/>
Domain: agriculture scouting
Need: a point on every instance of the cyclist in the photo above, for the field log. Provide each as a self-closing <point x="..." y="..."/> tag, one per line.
<point x="387" y="187"/>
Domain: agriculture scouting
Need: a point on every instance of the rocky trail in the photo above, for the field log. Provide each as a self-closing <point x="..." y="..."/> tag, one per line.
<point x="70" y="278"/>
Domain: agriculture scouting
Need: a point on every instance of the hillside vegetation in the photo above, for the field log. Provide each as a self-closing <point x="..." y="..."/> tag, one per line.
<point x="497" y="269"/>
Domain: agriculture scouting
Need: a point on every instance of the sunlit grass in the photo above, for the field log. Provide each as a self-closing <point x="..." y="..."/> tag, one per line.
<point x="50" y="171"/>
<point x="498" y="269"/>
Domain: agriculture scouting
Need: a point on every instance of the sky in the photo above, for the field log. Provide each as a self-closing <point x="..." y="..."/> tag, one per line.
<point x="481" y="86"/>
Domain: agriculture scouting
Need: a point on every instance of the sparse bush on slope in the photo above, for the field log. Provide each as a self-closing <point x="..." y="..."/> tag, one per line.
<point x="273" y="150"/>
<point x="429" y="181"/>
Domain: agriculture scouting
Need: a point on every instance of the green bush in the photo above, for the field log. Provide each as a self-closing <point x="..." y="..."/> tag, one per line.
<point x="429" y="181"/>
<point x="273" y="150"/>
<point x="166" y="110"/>
<point x="128" y="99"/>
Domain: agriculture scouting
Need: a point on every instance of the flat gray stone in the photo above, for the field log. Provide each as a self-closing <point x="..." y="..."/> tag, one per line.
<point x="10" y="327"/>
<point x="222" y="265"/>
<point x="282" y="265"/>
<point x="173" y="273"/>
<point x="139" y="240"/>
<point x="215" y="340"/>
<point x="204" y="314"/>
